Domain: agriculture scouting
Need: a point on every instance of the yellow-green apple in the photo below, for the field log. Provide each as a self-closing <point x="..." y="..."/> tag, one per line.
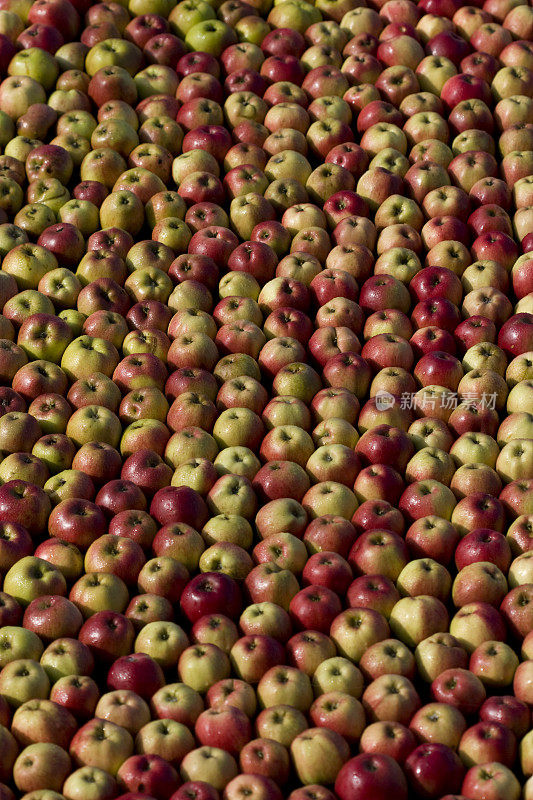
<point x="89" y="782"/>
<point x="476" y="622"/>
<point x="438" y="723"/>
<point x="337" y="674"/>
<point x="20" y="643"/>
<point x="285" y="686"/>
<point x="281" y="723"/>
<point x="22" y="680"/>
<point x="266" y="618"/>
<point x="354" y="630"/>
<point x="177" y="702"/>
<point x="495" y="663"/>
<point x="211" y="765"/>
<point x="318" y="754"/>
<point x="41" y="766"/>
<point x="166" y="738"/>
<point x="32" y="577"/>
<point x="413" y="619"/>
<point x="200" y="666"/>
<point x="437" y="653"/>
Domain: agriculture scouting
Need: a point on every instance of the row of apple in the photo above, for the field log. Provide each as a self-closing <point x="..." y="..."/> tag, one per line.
<point x="280" y="451"/>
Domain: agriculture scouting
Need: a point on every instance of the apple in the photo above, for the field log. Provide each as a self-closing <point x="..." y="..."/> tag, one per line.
<point x="89" y="782"/>
<point x="318" y="754"/>
<point x="439" y="723"/>
<point x="227" y="727"/>
<point x="41" y="766"/>
<point x="375" y="773"/>
<point x="459" y="688"/>
<point x="125" y="708"/>
<point x="492" y="777"/>
<point x="508" y="711"/>
<point x="148" y="773"/>
<point x="52" y="617"/>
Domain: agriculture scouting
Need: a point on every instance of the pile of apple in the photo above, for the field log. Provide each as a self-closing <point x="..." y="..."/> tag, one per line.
<point x="266" y="400"/>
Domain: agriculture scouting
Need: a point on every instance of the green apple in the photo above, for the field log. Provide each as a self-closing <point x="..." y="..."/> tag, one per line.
<point x="168" y="738"/>
<point x="318" y="754"/>
<point x="33" y="218"/>
<point x="89" y="783"/>
<point x="246" y="211"/>
<point x="338" y="674"/>
<point x="211" y="765"/>
<point x="32" y="577"/>
<point x="77" y="123"/>
<point x="281" y="723"/>
<point x="25" y="467"/>
<point x="124" y="210"/>
<point x="163" y="641"/>
<point x="114" y="52"/>
<point x="55" y="452"/>
<point x="286" y="686"/>
<point x="7" y="129"/>
<point x="252" y="29"/>
<point x="103" y="165"/>
<point x="36" y="63"/>
<point x="160" y="7"/>
<point x="66" y="657"/>
<point x="210" y="36"/>
<point x="28" y="263"/>
<point x="18" y="93"/>
<point x="11" y="235"/>
<point x="11" y="196"/>
<point x="72" y="56"/>
<point x="81" y="213"/>
<point x="65" y="100"/>
<point x="94" y="424"/>
<point x="200" y="666"/>
<point x="174" y="233"/>
<point x="16" y="643"/>
<point x="187" y="14"/>
<point x="25" y="304"/>
<point x="74" y="320"/>
<point x="61" y="286"/>
<point x="295" y="14"/>
<point x="99" y="591"/>
<point x="88" y="354"/>
<point x="23" y="680"/>
<point x="49" y="191"/>
<point x="116" y="134"/>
